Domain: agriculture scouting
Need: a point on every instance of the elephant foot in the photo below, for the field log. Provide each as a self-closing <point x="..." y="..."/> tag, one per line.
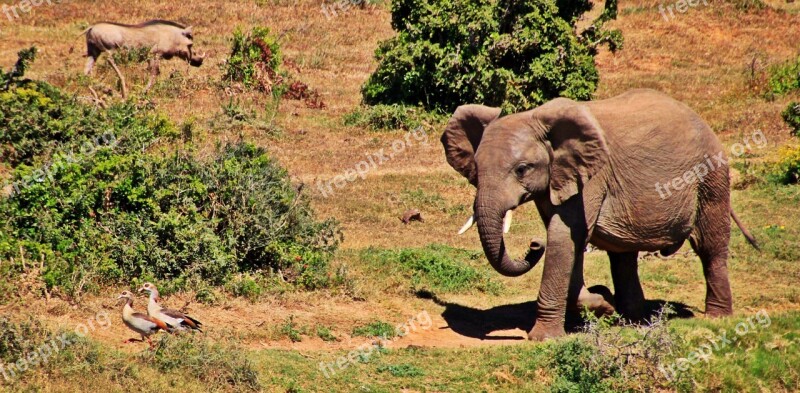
<point x="715" y="311"/>
<point x="631" y="310"/>
<point x="542" y="331"/>
<point x="597" y="299"/>
<point x="631" y="305"/>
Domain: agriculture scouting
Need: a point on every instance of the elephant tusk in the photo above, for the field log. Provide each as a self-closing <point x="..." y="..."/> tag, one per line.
<point x="470" y="222"/>
<point x="507" y="222"/>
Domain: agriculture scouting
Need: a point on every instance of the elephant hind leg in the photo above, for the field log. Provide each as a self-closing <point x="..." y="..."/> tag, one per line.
<point x="710" y="241"/>
<point x="628" y="294"/>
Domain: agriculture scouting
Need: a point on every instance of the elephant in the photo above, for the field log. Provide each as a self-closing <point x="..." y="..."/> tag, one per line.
<point x="636" y="172"/>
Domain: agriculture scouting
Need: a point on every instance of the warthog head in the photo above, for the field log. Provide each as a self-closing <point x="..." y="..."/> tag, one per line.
<point x="183" y="49"/>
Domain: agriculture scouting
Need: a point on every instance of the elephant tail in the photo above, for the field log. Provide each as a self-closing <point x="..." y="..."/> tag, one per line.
<point x="745" y="232"/>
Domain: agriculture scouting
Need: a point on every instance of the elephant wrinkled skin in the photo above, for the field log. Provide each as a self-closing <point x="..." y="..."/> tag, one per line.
<point x="592" y="168"/>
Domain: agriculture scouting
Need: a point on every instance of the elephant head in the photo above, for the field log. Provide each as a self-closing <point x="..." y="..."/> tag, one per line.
<point x="544" y="155"/>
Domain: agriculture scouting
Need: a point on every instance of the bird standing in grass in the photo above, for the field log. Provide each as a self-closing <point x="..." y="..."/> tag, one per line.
<point x="140" y="323"/>
<point x="170" y="316"/>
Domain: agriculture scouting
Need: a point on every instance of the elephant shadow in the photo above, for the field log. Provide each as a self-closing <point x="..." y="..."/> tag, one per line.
<point x="476" y="323"/>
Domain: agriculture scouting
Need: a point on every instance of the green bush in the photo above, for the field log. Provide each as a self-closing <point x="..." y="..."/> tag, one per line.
<point x="36" y="118"/>
<point x="623" y="355"/>
<point x="24" y="58"/>
<point x="748" y="5"/>
<point x="255" y="63"/>
<point x="784" y="78"/>
<point x="787" y="169"/>
<point x="572" y="361"/>
<point x="515" y="55"/>
<point x="17" y="339"/>
<point x="792" y="117"/>
<point x="125" y="209"/>
<point x="218" y="366"/>
<point x="391" y="117"/>
<point x="255" y="60"/>
<point x="615" y="356"/>
<point x="246" y="287"/>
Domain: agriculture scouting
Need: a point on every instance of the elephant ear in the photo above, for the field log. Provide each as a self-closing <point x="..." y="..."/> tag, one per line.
<point x="579" y="146"/>
<point x="463" y="135"/>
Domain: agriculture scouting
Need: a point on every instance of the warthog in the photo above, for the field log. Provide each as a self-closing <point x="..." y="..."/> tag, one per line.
<point x="165" y="40"/>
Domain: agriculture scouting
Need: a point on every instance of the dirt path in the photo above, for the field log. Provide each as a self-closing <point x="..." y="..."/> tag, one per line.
<point x="430" y="323"/>
<point x="258" y="326"/>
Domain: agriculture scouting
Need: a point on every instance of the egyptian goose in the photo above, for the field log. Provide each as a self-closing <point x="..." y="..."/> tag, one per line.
<point x="170" y="316"/>
<point x="145" y="325"/>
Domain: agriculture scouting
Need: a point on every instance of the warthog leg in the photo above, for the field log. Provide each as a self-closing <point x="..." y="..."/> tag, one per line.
<point x="89" y="64"/>
<point x="119" y="74"/>
<point x="155" y="70"/>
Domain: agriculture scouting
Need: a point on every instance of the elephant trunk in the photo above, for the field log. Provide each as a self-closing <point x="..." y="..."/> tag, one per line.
<point x="489" y="216"/>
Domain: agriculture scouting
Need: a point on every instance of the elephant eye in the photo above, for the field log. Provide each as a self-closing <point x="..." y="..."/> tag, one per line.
<point x="522" y="169"/>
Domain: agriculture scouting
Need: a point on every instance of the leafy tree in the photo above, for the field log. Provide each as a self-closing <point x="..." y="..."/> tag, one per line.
<point x="513" y="54"/>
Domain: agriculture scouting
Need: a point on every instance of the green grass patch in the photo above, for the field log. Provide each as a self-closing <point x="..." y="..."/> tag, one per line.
<point x="762" y="352"/>
<point x="326" y="334"/>
<point x="402" y="370"/>
<point x="292" y="330"/>
<point x="436" y="268"/>
<point x="379" y="329"/>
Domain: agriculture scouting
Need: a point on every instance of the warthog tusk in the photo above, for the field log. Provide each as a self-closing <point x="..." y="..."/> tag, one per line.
<point x="470" y="222"/>
<point x="507" y="222"/>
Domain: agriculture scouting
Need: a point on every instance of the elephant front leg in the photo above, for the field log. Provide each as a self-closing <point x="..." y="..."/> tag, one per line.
<point x="562" y="278"/>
